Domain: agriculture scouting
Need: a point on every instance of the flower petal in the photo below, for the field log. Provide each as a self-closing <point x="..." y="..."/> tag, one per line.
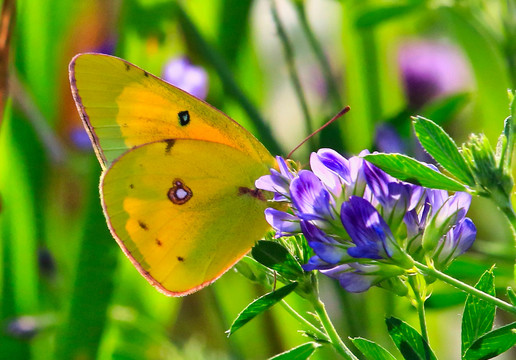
<point x="276" y="183"/>
<point x="284" y="223"/>
<point x="367" y="230"/>
<point x="310" y="198"/>
<point x="324" y="246"/>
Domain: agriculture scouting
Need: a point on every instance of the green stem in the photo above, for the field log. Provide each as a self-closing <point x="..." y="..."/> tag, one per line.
<point x="335" y="339"/>
<point x="420" y="307"/>
<point x="511" y="217"/>
<point x="333" y="89"/>
<point x="296" y="82"/>
<point x="465" y="287"/>
<point x="304" y="321"/>
<point x="369" y="54"/>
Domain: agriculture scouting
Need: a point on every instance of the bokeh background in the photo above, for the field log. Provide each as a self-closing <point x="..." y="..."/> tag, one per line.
<point x="68" y="292"/>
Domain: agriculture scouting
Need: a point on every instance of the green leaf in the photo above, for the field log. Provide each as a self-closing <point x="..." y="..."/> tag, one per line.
<point x="408" y="341"/>
<point x="493" y="343"/>
<point x="276" y="257"/>
<point x="375" y="16"/>
<point x="478" y="317"/>
<point x="443" y="149"/>
<point x="254" y="271"/>
<point x="259" y="305"/>
<point x="301" y="352"/>
<point x="407" y="169"/>
<point x="371" y="350"/>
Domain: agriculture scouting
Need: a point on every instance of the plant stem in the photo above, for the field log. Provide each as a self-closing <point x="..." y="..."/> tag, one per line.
<point x="511" y="217"/>
<point x="335" y="339"/>
<point x="303" y="320"/>
<point x="369" y="54"/>
<point x="420" y="307"/>
<point x="422" y="318"/>
<point x="333" y="89"/>
<point x="296" y="82"/>
<point x="465" y="287"/>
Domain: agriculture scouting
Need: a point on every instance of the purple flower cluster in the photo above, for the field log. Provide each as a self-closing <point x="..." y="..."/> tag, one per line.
<point x="365" y="227"/>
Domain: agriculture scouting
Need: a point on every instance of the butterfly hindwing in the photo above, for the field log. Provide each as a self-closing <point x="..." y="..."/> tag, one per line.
<point x="184" y="210"/>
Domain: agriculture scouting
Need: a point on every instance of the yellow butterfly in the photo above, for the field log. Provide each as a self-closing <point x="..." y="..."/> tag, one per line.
<point x="177" y="186"/>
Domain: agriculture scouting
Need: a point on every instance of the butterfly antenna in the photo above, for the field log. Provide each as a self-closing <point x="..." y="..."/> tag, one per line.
<point x="342" y="112"/>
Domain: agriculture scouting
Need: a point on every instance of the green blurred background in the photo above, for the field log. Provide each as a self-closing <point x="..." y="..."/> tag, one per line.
<point x="68" y="292"/>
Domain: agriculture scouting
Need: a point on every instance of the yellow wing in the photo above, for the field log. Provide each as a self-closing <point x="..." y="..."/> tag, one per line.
<point x="183" y="210"/>
<point x="123" y="106"/>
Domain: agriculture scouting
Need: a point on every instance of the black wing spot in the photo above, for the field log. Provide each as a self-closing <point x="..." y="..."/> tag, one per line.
<point x="180" y="258"/>
<point x="184" y="118"/>
<point x="127" y="67"/>
<point x="158" y="242"/>
<point x="170" y="143"/>
<point x="143" y="225"/>
<point x="131" y="186"/>
<point x="145" y="73"/>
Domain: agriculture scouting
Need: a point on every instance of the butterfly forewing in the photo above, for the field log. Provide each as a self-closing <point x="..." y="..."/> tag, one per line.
<point x="123" y="106"/>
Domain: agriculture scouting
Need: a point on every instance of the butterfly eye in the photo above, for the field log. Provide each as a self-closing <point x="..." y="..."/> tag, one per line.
<point x="179" y="193"/>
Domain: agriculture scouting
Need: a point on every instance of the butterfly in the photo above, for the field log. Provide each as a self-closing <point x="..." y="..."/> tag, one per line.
<point x="177" y="186"/>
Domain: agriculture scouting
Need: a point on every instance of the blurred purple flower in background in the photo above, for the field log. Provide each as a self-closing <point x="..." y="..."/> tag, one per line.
<point x="431" y="69"/>
<point x="181" y="73"/>
<point x="388" y="140"/>
<point x="365" y="227"/>
<point x="80" y="139"/>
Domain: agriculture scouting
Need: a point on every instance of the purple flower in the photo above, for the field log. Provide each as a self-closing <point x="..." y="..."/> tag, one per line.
<point x="310" y="198"/>
<point x="355" y="277"/>
<point x="327" y="249"/>
<point x="446" y="213"/>
<point x="431" y="69"/>
<point x="387" y="140"/>
<point x="364" y="226"/>
<point x="396" y="198"/>
<point x="455" y="243"/>
<point x="446" y="209"/>
<point x="23" y="327"/>
<point x="370" y="234"/>
<point x="80" y="138"/>
<point x="338" y="173"/>
<point x="283" y="222"/>
<point x="277" y="182"/>
<point x="354" y="280"/>
<point x="415" y="222"/>
<point x="190" y="78"/>
<point x="331" y="168"/>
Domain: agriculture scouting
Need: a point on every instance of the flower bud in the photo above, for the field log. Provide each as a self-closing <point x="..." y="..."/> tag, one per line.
<point x="489" y="174"/>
